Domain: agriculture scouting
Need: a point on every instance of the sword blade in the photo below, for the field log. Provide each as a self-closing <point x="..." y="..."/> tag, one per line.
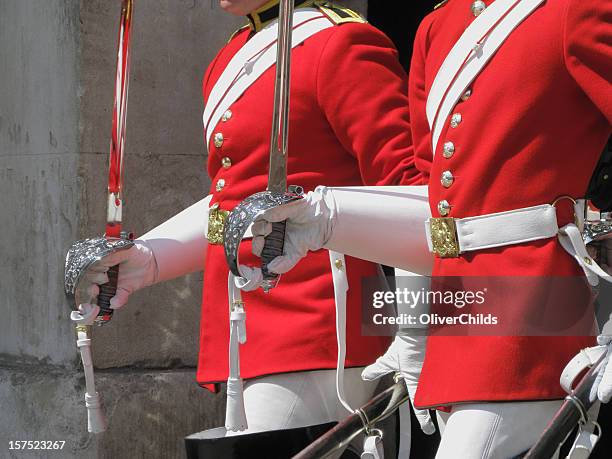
<point x="117" y="143"/>
<point x="114" y="213"/>
<point x="279" y="138"/>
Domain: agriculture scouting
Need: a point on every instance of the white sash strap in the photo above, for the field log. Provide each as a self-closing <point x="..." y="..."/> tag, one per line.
<point x="469" y="55"/>
<point x="252" y="60"/>
<point x="235" y="416"/>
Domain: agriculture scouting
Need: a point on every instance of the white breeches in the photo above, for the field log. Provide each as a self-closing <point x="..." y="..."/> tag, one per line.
<point x="289" y="400"/>
<point x="493" y="430"/>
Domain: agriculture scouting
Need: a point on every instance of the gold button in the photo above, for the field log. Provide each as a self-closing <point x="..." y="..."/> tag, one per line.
<point x="447" y="179"/>
<point x="226" y="116"/>
<point x="226" y="162"/>
<point x="478" y="7"/>
<point x="444" y="207"/>
<point x="588" y="261"/>
<point x="338" y="263"/>
<point x="466" y="95"/>
<point x="448" y="150"/>
<point x="218" y="140"/>
<point x="220" y="184"/>
<point x="455" y="120"/>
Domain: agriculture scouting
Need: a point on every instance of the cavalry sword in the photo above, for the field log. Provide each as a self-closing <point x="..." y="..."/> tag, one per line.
<point x="276" y="193"/>
<point x="82" y="254"/>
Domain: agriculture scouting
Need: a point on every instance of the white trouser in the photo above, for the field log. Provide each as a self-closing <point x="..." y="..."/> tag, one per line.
<point x="290" y="400"/>
<point x="493" y="430"/>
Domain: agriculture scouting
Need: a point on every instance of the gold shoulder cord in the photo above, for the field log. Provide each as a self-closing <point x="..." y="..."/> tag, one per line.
<point x="339" y="14"/>
<point x="441" y="4"/>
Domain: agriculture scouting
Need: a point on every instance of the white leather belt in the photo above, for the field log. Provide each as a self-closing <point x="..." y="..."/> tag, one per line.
<point x="449" y="237"/>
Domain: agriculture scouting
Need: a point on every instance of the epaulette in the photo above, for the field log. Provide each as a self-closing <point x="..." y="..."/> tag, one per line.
<point x="339" y="14"/>
<point x="441" y="4"/>
<point x="236" y="32"/>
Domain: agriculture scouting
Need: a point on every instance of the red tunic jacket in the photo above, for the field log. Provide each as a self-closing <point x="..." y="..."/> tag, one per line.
<point x="532" y="129"/>
<point x="348" y="126"/>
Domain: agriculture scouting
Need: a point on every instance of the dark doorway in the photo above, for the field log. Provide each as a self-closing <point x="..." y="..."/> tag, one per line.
<point x="400" y="24"/>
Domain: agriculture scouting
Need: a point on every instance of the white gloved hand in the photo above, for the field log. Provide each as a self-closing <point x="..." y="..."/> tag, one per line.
<point x="309" y="226"/>
<point x="137" y="269"/>
<point x="604" y="378"/>
<point x="405" y="356"/>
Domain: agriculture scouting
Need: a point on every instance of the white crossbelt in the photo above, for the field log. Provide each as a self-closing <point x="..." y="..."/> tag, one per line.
<point x="253" y="59"/>
<point x="468" y="57"/>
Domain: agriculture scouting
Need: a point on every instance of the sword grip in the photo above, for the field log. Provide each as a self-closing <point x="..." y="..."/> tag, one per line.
<point x="107" y="291"/>
<point x="273" y="247"/>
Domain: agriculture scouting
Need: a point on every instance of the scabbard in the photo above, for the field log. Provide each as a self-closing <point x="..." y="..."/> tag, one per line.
<point x="372" y="413"/>
<point x="568" y="417"/>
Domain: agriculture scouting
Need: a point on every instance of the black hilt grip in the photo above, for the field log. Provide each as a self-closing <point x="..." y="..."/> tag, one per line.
<point x="107" y="291"/>
<point x="273" y="247"/>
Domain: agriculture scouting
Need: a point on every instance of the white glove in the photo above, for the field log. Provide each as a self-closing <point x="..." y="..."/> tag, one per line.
<point x="137" y="269"/>
<point x="309" y="226"/>
<point x="405" y="355"/>
<point x="175" y="248"/>
<point x="604" y="378"/>
<point x="352" y="221"/>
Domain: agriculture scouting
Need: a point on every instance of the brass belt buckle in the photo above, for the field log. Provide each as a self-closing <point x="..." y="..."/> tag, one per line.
<point x="216" y="224"/>
<point x="444" y="238"/>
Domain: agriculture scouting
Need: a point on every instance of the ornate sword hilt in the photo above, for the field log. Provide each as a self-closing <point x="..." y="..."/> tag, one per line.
<point x="84" y="253"/>
<point x="273" y="247"/>
<point x="243" y="216"/>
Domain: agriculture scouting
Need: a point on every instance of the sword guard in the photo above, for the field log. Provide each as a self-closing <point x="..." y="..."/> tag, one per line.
<point x="241" y="218"/>
<point x="84" y="253"/>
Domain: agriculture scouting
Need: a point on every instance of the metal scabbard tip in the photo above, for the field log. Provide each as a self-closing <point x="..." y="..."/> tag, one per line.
<point x="295" y="189"/>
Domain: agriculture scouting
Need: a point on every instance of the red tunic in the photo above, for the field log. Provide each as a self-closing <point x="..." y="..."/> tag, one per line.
<point x="532" y="129"/>
<point x="348" y="126"/>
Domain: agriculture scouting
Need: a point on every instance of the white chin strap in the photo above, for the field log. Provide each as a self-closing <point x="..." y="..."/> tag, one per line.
<point x="96" y="421"/>
<point x="235" y="416"/>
